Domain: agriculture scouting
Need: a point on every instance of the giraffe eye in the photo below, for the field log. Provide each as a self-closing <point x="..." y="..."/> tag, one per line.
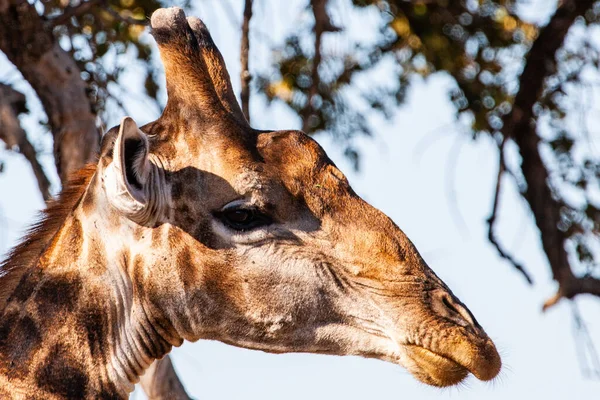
<point x="243" y="219"/>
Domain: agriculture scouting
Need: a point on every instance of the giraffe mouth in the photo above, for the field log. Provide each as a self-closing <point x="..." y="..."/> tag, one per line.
<point x="443" y="370"/>
<point x="433" y="368"/>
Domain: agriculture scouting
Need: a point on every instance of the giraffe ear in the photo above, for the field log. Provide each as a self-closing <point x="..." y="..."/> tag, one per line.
<point x="126" y="178"/>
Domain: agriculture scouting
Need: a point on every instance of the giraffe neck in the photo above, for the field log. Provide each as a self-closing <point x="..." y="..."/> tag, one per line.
<point x="74" y="326"/>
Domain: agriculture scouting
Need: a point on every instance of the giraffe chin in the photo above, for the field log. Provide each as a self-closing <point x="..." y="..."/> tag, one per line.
<point x="434" y="369"/>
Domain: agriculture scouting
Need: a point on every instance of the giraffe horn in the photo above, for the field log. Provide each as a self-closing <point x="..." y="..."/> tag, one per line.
<point x="195" y="71"/>
<point x="216" y="69"/>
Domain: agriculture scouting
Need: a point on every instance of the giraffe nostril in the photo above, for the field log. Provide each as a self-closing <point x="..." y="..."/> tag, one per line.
<point x="449" y="305"/>
<point x="454" y="309"/>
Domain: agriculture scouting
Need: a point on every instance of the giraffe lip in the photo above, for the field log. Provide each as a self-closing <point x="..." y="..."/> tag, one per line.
<point x="433" y="368"/>
<point x="449" y="367"/>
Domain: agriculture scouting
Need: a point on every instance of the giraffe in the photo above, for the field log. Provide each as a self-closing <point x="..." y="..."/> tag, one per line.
<point x="196" y="226"/>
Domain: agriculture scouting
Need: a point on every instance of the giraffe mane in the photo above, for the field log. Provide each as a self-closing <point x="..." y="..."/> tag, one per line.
<point x="21" y="259"/>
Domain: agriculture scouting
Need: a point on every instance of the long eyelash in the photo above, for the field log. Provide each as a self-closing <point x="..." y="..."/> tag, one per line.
<point x="259" y="219"/>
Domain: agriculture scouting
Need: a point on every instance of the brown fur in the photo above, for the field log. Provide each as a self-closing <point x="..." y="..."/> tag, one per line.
<point x="23" y="257"/>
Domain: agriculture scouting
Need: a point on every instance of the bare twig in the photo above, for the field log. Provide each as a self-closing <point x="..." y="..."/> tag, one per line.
<point x="82" y="8"/>
<point x="234" y="21"/>
<point x="74" y="11"/>
<point x="587" y="354"/>
<point x="127" y="20"/>
<point x="322" y="24"/>
<point x="492" y="219"/>
<point x="12" y="103"/>
<point x="539" y="64"/>
<point x="245" y="49"/>
<point x="571" y="287"/>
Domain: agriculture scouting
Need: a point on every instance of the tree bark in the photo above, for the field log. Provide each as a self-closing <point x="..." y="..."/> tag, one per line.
<point x="322" y="24"/>
<point x="244" y="56"/>
<point x="54" y="76"/>
<point x="12" y="103"/>
<point x="519" y="125"/>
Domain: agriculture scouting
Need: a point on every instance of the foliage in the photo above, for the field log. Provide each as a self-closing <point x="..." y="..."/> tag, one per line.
<point x="481" y="45"/>
<point x="98" y="31"/>
<point x="472" y="42"/>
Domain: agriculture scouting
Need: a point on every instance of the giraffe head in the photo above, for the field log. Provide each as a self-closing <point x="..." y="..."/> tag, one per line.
<point x="256" y="239"/>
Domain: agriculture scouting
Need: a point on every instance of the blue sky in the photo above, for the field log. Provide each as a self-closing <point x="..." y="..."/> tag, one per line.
<point x="409" y="170"/>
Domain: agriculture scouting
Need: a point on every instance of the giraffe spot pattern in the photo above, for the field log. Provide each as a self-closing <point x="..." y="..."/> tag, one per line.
<point x="95" y="325"/>
<point x="58" y="294"/>
<point x="138" y="275"/>
<point x="61" y="375"/>
<point x="25" y="288"/>
<point x="187" y="270"/>
<point x="20" y="338"/>
<point x="108" y="395"/>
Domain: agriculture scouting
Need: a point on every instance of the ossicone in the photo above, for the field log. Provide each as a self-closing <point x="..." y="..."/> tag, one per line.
<point x="197" y="79"/>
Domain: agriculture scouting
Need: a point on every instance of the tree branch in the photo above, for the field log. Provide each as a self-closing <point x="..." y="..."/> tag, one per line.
<point x="82" y="8"/>
<point x="54" y="75"/>
<point x="492" y="219"/>
<point x="74" y="11"/>
<point x="539" y="64"/>
<point x="588" y="355"/>
<point x="12" y="103"/>
<point x="245" y="49"/>
<point x="127" y="20"/>
<point x="573" y="287"/>
<point x="322" y="24"/>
